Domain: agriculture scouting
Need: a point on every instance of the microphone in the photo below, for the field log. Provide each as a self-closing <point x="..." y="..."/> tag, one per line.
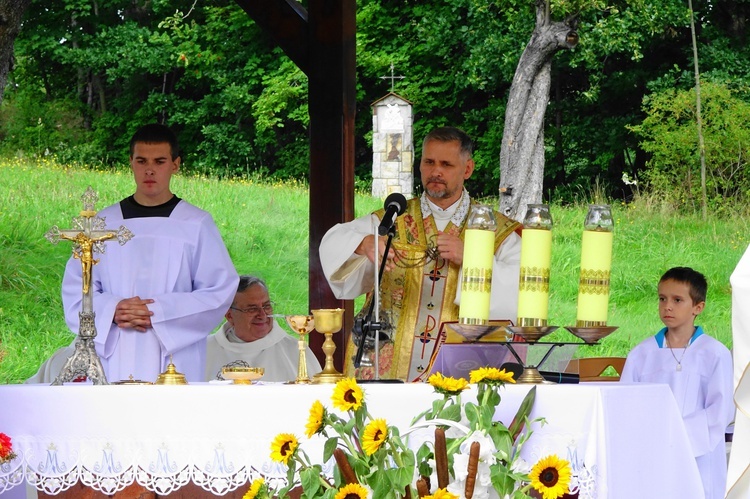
<point x="395" y="205"/>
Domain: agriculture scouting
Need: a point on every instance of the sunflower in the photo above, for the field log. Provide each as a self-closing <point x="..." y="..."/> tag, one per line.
<point x="442" y="494"/>
<point x="491" y="375"/>
<point x="283" y="447"/>
<point x="375" y="434"/>
<point x="347" y="395"/>
<point x="352" y="491"/>
<point x="551" y="477"/>
<point x="315" y="420"/>
<point x="447" y="386"/>
<point x="255" y="487"/>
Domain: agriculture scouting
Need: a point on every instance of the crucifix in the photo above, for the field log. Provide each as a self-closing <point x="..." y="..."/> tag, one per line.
<point x="393" y="78"/>
<point x="88" y="234"/>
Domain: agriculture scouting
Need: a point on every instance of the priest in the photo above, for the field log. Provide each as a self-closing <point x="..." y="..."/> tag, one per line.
<point x="158" y="296"/>
<point x="251" y="336"/>
<point x="420" y="288"/>
<point x="738" y="474"/>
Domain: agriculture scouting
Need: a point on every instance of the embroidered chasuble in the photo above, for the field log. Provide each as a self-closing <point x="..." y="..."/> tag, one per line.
<point x="418" y="294"/>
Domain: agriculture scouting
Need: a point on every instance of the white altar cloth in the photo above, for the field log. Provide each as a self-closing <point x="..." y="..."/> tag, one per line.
<point x="623" y="441"/>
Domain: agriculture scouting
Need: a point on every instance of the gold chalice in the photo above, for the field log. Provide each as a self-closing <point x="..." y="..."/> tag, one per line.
<point x="302" y="325"/>
<point x="328" y="321"/>
<point x="242" y="375"/>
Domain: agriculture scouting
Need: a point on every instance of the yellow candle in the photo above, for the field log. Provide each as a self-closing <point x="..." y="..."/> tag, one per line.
<point x="533" y="288"/>
<point x="476" y="281"/>
<point x="593" y="285"/>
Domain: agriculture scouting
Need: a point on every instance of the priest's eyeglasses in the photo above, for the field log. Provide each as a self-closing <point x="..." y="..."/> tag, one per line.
<point x="255" y="309"/>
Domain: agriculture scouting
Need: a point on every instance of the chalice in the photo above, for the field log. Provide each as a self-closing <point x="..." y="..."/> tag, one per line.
<point x="302" y="325"/>
<point x="328" y="321"/>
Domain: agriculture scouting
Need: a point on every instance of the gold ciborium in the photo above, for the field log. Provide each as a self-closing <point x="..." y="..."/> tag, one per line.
<point x="328" y="321"/>
<point x="302" y="325"/>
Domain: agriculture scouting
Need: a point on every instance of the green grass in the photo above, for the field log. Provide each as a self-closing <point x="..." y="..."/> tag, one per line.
<point x="265" y="227"/>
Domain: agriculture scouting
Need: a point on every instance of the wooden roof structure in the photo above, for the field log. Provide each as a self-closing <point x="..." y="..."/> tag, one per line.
<point x="321" y="41"/>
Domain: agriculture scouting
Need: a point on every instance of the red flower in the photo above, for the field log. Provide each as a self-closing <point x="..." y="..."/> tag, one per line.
<point x="6" y="447"/>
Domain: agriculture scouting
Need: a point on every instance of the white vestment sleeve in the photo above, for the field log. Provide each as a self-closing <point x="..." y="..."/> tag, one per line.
<point x="348" y="274"/>
<point x="707" y="426"/>
<point x="738" y="478"/>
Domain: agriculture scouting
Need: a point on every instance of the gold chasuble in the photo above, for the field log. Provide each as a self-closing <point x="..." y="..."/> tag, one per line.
<point x="417" y="295"/>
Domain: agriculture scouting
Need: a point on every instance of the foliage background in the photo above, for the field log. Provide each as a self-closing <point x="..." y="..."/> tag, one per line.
<point x="263" y="223"/>
<point x="88" y="73"/>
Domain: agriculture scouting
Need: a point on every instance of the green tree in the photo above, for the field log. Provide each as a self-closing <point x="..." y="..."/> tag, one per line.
<point x="669" y="134"/>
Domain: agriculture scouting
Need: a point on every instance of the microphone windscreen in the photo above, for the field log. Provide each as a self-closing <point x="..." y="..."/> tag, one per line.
<point x="396" y="199"/>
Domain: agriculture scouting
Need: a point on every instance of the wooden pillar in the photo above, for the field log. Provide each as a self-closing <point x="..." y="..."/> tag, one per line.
<point x="321" y="41"/>
<point x="332" y="107"/>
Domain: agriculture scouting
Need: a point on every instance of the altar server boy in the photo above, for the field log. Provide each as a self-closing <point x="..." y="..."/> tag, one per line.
<point x="697" y="368"/>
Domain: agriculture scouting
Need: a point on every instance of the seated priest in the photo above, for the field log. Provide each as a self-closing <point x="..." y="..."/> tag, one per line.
<point x="251" y="336"/>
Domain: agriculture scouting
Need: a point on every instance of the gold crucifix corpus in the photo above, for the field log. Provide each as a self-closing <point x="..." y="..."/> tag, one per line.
<point x="88" y="234"/>
<point x="84" y="251"/>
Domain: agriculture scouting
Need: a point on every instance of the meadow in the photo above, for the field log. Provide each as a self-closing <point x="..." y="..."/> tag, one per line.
<point x="264" y="224"/>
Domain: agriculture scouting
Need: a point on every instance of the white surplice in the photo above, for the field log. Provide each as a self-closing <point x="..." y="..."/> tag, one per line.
<point x="277" y="353"/>
<point x="738" y="478"/>
<point x="182" y="264"/>
<point x="702" y="387"/>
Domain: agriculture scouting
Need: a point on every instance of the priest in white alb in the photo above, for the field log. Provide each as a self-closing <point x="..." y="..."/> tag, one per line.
<point x="251" y="337"/>
<point x="420" y="288"/>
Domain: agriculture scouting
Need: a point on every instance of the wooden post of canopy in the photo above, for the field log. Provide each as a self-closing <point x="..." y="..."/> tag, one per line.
<point x="321" y="41"/>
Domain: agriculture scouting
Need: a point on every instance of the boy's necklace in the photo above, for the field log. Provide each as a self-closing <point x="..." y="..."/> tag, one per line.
<point x="671" y="350"/>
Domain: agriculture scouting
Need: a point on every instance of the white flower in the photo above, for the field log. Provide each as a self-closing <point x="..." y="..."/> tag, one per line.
<point x="521" y="466"/>
<point x="487" y="458"/>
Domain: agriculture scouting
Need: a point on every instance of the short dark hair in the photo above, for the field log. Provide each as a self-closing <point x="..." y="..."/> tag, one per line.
<point x="155" y="133"/>
<point x="695" y="280"/>
<point x="449" y="134"/>
<point x="250" y="280"/>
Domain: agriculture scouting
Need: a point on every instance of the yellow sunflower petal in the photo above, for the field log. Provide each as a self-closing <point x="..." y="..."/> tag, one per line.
<point x="315" y="420"/>
<point x="283" y="447"/>
<point x="447" y="386"/>
<point x="351" y="490"/>
<point x="255" y="487"/>
<point x="347" y="395"/>
<point x="442" y="494"/>
<point x="374" y="435"/>
<point x="490" y="375"/>
<point x="551" y="477"/>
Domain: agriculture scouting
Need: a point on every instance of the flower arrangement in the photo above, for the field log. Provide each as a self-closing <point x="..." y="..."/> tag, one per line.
<point x="6" y="449"/>
<point x="472" y="456"/>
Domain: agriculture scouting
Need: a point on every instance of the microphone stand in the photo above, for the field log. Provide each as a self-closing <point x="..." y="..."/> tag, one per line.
<point x="367" y="326"/>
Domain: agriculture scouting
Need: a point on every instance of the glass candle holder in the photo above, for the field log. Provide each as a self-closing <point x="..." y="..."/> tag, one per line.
<point x="536" y="256"/>
<point x="476" y="280"/>
<point x="596" y="264"/>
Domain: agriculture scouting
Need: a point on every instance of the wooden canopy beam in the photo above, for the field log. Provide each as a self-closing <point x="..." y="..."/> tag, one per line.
<point x="321" y="41"/>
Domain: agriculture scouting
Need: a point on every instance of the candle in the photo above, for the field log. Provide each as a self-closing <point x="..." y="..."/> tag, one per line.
<point x="596" y="263"/>
<point x="536" y="255"/>
<point x="476" y="279"/>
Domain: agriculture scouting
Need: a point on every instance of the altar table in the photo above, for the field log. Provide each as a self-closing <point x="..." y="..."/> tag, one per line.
<point x="623" y="440"/>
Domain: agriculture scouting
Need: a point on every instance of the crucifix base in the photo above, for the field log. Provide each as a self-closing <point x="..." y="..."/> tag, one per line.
<point x="84" y="361"/>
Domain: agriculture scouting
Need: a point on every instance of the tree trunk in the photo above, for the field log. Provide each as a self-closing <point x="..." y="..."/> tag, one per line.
<point x="522" y="150"/>
<point x="11" y="13"/>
